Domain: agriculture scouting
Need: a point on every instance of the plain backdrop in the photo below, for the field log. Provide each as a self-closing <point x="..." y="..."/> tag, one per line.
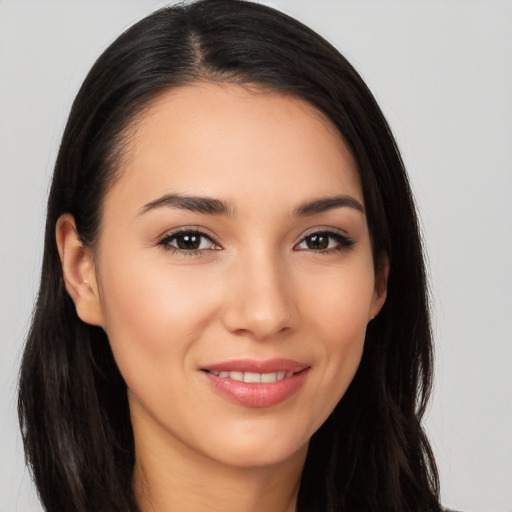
<point x="442" y="73"/>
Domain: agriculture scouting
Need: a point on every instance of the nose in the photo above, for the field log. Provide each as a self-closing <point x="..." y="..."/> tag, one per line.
<point x="260" y="300"/>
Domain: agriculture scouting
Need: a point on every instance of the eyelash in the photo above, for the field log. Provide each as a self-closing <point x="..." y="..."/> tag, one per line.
<point x="166" y="240"/>
<point x="343" y="242"/>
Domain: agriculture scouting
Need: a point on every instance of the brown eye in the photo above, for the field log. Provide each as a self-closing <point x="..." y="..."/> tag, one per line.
<point x="317" y="242"/>
<point x="190" y="242"/>
<point x="187" y="241"/>
<point x="325" y="241"/>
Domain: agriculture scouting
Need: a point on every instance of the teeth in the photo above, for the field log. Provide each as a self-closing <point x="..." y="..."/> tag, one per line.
<point x="253" y="377"/>
<point x="268" y="377"/>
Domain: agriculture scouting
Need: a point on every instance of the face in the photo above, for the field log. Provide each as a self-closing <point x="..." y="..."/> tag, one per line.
<point x="234" y="273"/>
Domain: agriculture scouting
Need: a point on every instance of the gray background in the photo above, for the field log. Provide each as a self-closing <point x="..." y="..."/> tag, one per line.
<point x="442" y="72"/>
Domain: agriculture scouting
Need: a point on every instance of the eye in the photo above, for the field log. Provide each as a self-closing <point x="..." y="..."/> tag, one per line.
<point x="188" y="241"/>
<point x="325" y="241"/>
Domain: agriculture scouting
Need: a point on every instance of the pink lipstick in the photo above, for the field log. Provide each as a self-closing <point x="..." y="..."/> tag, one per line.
<point x="254" y="383"/>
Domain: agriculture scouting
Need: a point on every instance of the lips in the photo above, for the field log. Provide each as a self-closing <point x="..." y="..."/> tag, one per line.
<point x="256" y="383"/>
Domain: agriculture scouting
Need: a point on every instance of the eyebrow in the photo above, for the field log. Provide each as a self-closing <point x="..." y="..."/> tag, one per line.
<point x="327" y="203"/>
<point x="206" y="205"/>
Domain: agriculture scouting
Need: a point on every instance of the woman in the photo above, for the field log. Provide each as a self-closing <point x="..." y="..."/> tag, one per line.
<point x="233" y="309"/>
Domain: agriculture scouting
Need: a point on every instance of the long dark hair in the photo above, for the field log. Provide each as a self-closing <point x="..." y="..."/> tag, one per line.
<point x="372" y="453"/>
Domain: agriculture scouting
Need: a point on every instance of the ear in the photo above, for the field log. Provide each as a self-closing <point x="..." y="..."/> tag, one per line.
<point x="381" y="285"/>
<point x="78" y="271"/>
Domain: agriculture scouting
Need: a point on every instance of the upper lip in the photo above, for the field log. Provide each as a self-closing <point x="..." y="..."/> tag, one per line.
<point x="257" y="366"/>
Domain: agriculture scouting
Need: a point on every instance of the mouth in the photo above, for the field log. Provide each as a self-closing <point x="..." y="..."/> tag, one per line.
<point x="252" y="377"/>
<point x="257" y="383"/>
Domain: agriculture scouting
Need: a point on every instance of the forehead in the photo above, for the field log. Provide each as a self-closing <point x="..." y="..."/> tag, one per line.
<point x="229" y="141"/>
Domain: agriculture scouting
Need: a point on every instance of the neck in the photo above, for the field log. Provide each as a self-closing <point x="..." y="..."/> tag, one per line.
<point x="170" y="477"/>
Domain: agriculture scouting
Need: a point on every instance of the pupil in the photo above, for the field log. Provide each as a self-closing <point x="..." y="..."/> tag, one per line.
<point x="188" y="242"/>
<point x="318" y="242"/>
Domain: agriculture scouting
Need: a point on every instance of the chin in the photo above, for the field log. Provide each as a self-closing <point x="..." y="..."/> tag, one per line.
<point x="259" y="451"/>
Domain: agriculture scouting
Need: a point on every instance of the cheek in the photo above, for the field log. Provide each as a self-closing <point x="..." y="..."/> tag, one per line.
<point x="152" y="313"/>
<point x="339" y="315"/>
<point x="341" y="302"/>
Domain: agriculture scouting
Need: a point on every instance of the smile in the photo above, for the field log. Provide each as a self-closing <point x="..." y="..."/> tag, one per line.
<point x="257" y="384"/>
<point x="253" y="377"/>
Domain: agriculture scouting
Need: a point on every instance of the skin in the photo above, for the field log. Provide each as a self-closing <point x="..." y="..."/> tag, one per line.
<point x="256" y="289"/>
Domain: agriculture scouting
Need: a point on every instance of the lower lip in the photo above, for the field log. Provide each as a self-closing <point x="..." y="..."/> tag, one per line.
<point x="259" y="395"/>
